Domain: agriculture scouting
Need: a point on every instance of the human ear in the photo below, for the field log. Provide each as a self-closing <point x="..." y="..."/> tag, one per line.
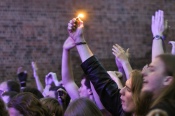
<point x="168" y="80"/>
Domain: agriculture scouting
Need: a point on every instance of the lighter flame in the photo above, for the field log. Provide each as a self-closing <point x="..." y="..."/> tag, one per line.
<point x="80" y="16"/>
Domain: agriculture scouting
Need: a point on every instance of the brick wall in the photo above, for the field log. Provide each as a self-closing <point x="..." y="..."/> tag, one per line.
<point x="34" y="30"/>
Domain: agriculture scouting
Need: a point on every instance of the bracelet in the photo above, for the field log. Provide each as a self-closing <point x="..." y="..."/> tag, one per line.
<point x="80" y="43"/>
<point x="158" y="37"/>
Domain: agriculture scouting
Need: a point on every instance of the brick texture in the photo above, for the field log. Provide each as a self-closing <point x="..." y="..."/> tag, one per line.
<point x="34" y="30"/>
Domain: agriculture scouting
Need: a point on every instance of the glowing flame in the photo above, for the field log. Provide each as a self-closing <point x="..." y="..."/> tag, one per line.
<point x="80" y="16"/>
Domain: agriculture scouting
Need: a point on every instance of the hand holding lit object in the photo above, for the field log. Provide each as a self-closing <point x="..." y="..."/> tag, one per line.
<point x="75" y="29"/>
<point x="80" y="16"/>
<point x="78" y="19"/>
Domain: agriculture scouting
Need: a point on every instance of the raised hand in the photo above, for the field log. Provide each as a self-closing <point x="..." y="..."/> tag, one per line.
<point x="37" y="79"/>
<point x="22" y="76"/>
<point x="158" y="25"/>
<point x="75" y="29"/>
<point x="34" y="65"/>
<point x="68" y="44"/>
<point x="120" y="54"/>
<point x="122" y="57"/>
<point x="48" y="79"/>
<point x="51" y="77"/>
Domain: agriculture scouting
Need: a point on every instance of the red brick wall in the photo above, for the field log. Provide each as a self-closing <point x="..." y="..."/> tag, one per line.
<point x="34" y="30"/>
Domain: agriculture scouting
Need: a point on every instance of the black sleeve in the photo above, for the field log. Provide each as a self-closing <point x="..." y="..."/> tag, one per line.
<point x="106" y="88"/>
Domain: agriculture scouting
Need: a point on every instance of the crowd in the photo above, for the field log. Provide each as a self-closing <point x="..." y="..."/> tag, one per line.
<point x="125" y="92"/>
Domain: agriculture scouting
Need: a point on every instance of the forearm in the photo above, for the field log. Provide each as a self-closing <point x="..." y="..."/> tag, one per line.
<point x="127" y="68"/>
<point x="84" y="51"/>
<point x="38" y="83"/>
<point x="157" y="48"/>
<point x="67" y="76"/>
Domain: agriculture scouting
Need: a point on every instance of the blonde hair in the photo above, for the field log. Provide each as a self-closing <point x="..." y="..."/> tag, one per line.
<point x="53" y="106"/>
<point x="82" y="107"/>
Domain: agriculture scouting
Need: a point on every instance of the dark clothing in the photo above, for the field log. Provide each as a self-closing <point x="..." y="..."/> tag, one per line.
<point x="105" y="112"/>
<point x="167" y="105"/>
<point x="106" y="88"/>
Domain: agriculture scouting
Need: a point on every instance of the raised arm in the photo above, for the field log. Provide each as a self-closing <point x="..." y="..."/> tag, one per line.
<point x="37" y="79"/>
<point x="122" y="57"/>
<point x="106" y="88"/>
<point x="67" y="74"/>
<point x="158" y="26"/>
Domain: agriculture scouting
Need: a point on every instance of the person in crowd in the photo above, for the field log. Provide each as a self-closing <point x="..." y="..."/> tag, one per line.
<point x="3" y="111"/>
<point x="26" y="104"/>
<point x="9" y="85"/>
<point x="85" y="90"/>
<point x="50" y="80"/>
<point x="67" y="75"/>
<point x="82" y="107"/>
<point x="60" y="93"/>
<point x="158" y="84"/>
<point x="159" y="76"/>
<point x="53" y="106"/>
<point x="34" y="91"/>
<point x="106" y="88"/>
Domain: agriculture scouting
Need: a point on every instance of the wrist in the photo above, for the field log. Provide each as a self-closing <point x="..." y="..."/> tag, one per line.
<point x="160" y="34"/>
<point x="80" y="43"/>
<point x="66" y="49"/>
<point x="56" y="83"/>
<point x="79" y="39"/>
<point x="159" y="37"/>
<point x="124" y="62"/>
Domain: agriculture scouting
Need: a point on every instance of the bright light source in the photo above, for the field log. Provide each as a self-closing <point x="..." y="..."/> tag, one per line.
<point x="80" y="15"/>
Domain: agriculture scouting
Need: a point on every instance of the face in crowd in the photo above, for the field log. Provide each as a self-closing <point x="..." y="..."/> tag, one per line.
<point x="130" y="92"/>
<point x="85" y="90"/>
<point x="154" y="78"/>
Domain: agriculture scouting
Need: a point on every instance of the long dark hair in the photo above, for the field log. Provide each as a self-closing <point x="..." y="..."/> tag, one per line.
<point x="82" y="107"/>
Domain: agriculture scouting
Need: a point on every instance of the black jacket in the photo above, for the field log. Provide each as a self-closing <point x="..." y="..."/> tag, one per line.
<point x="167" y="105"/>
<point x="106" y="88"/>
